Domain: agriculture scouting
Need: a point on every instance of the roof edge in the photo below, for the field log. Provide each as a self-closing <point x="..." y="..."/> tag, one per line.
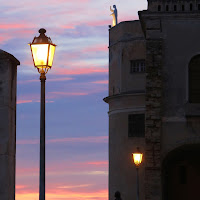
<point x="6" y="55"/>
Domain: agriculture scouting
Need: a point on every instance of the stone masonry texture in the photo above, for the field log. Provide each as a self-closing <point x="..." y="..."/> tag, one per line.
<point x="153" y="119"/>
<point x="8" y="75"/>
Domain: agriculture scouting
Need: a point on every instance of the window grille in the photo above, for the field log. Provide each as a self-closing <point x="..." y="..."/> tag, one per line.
<point x="137" y="66"/>
<point x="136" y="125"/>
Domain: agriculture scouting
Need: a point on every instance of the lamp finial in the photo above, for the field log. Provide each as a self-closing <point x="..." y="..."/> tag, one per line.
<point x="42" y="31"/>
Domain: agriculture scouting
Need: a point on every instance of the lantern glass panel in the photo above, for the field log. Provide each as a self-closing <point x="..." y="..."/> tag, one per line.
<point x="40" y="54"/>
<point x="51" y="55"/>
<point x="137" y="158"/>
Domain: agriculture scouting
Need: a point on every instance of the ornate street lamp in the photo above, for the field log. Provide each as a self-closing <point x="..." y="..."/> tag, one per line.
<point x="42" y="50"/>
<point x="137" y="159"/>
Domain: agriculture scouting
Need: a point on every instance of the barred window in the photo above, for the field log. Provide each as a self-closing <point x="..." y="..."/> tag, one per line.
<point x="137" y="66"/>
<point x="136" y="125"/>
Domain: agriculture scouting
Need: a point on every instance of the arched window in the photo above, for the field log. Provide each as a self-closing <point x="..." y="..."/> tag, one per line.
<point x="194" y="80"/>
<point x="167" y="8"/>
<point x="159" y="7"/>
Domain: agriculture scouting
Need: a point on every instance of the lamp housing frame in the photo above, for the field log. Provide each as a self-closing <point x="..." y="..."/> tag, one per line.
<point x="42" y="39"/>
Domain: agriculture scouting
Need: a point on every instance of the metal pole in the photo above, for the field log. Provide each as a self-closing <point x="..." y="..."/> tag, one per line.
<point x="42" y="138"/>
<point x="137" y="177"/>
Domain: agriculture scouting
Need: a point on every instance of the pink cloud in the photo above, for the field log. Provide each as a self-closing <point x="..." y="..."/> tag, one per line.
<point x="48" y="79"/>
<point x="33" y="141"/>
<point x="98" y="163"/>
<point x="13" y="26"/>
<point x="91" y="139"/>
<point x="96" y="48"/>
<point x="21" y="171"/>
<point x="68" y="1"/>
<point x="99" y="22"/>
<point x="68" y="26"/>
<point x="84" y="70"/>
<point x="67" y="94"/>
<point x="4" y="38"/>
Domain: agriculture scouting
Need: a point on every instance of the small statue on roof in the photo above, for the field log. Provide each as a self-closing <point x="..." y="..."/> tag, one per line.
<point x="114" y="15"/>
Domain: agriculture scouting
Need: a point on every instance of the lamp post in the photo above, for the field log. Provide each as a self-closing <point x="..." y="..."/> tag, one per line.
<point x="42" y="50"/>
<point x="137" y="159"/>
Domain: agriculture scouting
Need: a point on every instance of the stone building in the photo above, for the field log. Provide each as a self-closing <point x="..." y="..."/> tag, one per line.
<point x="8" y="83"/>
<point x="154" y="102"/>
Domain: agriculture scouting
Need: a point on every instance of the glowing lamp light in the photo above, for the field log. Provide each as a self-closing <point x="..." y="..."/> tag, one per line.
<point x="137" y="157"/>
<point x="42" y="50"/>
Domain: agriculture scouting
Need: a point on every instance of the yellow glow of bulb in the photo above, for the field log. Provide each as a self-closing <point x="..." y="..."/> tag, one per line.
<point x="40" y="54"/>
<point x="137" y="158"/>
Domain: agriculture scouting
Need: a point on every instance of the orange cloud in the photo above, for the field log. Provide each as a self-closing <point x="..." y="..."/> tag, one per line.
<point x="101" y="82"/>
<point x="20" y="186"/>
<point x="73" y="186"/>
<point x="67" y="167"/>
<point x="58" y="195"/>
<point x="31" y="101"/>
<point x="24" y="101"/>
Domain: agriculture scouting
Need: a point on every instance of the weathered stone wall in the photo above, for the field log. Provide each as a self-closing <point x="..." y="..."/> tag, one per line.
<point x="8" y="75"/>
<point x="172" y="39"/>
<point x="153" y="119"/>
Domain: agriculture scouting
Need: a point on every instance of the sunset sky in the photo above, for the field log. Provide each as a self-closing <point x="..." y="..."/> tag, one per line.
<point x="76" y="116"/>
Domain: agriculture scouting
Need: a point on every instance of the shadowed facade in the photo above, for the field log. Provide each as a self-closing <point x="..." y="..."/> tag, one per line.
<point x="154" y="101"/>
<point x="8" y="78"/>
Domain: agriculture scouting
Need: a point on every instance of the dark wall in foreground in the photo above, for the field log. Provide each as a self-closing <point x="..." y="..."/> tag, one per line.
<point x="8" y="77"/>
